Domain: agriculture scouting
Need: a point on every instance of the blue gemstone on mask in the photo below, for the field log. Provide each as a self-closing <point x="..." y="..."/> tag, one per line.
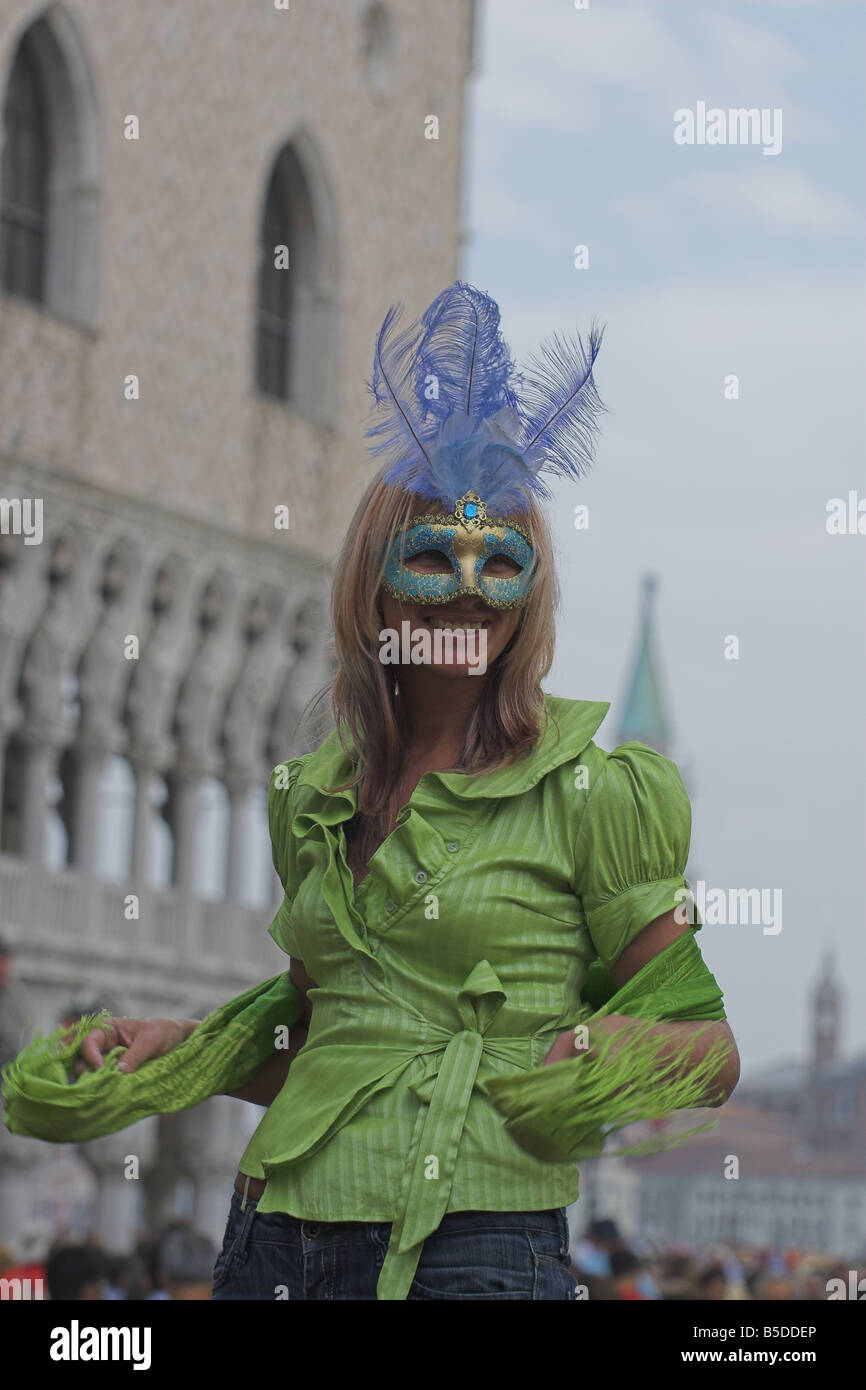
<point x="470" y="508"/>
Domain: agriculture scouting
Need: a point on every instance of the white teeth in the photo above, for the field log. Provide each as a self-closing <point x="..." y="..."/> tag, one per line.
<point x="457" y="626"/>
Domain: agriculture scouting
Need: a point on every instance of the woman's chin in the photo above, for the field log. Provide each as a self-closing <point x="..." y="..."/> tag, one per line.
<point x="452" y="670"/>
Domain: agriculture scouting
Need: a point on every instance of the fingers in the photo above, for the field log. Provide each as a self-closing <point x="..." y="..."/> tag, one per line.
<point x="152" y="1039"/>
<point x="113" y="1033"/>
<point x="95" y="1044"/>
<point x="142" y="1038"/>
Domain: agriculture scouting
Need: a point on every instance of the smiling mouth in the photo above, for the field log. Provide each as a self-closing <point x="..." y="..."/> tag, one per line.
<point x="455" y="623"/>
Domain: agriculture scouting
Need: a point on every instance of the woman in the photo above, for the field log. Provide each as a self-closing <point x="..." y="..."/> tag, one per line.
<point x="455" y="857"/>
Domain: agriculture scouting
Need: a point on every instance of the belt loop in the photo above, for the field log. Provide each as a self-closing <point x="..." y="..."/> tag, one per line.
<point x="246" y="1190"/>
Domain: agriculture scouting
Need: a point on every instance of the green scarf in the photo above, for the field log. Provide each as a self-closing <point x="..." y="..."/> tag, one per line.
<point x="565" y="1110"/>
<point x="568" y="1109"/>
<point x="218" y="1056"/>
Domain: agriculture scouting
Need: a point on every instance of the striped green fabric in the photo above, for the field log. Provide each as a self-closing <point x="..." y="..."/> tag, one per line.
<point x="459" y="959"/>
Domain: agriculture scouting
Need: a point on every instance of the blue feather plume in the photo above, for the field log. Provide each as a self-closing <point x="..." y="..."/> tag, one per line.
<point x="453" y="360"/>
<point x="485" y="457"/>
<point x="560" y="404"/>
<point x="448" y="417"/>
<point x="462" y="347"/>
<point x="399" y="429"/>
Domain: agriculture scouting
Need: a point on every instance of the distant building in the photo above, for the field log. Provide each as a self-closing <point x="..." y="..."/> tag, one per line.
<point x="205" y="211"/>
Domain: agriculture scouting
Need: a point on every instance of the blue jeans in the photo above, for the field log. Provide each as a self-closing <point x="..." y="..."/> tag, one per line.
<point x="472" y="1254"/>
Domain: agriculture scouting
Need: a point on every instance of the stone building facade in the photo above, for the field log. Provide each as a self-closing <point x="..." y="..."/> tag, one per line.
<point x="205" y="209"/>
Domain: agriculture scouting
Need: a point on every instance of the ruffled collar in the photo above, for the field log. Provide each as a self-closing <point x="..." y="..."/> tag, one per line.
<point x="570" y="728"/>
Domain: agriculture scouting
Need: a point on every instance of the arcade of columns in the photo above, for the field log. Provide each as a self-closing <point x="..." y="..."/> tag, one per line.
<point x="231" y="646"/>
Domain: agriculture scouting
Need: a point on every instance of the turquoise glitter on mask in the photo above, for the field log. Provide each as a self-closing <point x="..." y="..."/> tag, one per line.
<point x="467" y="548"/>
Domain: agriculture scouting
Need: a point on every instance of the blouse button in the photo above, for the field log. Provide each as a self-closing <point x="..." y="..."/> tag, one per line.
<point x="453" y="846"/>
<point x="390" y="906"/>
<point x="421" y="876"/>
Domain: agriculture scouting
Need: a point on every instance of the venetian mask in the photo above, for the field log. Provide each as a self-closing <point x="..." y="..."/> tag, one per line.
<point x="468" y="539"/>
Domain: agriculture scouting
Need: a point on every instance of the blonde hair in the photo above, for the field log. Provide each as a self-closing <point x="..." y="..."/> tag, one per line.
<point x="510" y="715"/>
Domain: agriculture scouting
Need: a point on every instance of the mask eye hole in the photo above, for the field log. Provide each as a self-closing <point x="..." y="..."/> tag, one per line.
<point x="428" y="562"/>
<point x="501" y="566"/>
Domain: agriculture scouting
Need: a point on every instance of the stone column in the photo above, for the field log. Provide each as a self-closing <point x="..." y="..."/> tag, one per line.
<point x="238" y="789"/>
<point x="40" y="758"/>
<point x="18" y="1157"/>
<point x="211" y="1143"/>
<point x="141" y="828"/>
<point x="162" y="1178"/>
<point x="90" y="761"/>
<point x="184" y="829"/>
<point x="120" y="1198"/>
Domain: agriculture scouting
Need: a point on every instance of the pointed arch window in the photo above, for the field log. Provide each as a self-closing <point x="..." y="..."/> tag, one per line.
<point x="296" y="311"/>
<point x="24" y="179"/>
<point x="51" y="170"/>
<point x="284" y="200"/>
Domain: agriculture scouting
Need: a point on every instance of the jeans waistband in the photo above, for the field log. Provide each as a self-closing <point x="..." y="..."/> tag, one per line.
<point x="550" y="1219"/>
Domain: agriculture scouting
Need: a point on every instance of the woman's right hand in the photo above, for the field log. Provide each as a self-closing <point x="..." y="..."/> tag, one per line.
<point x="143" y="1037"/>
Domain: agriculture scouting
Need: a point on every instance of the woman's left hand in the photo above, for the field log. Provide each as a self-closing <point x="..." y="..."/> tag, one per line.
<point x="582" y="1041"/>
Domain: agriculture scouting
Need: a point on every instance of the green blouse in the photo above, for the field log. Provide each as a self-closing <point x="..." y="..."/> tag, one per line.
<point x="460" y="957"/>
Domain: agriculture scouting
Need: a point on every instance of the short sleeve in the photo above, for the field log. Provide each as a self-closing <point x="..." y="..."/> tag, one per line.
<point x="281" y="797"/>
<point x="632" y="847"/>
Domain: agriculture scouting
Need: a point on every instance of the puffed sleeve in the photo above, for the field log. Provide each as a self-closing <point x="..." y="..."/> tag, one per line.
<point x="281" y="797"/>
<point x="632" y="846"/>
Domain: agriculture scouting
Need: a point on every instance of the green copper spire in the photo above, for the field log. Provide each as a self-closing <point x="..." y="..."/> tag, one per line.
<point x="644" y="715"/>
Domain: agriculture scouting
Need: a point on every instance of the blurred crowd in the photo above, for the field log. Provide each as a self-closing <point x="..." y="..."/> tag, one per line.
<point x="178" y="1264"/>
<point x="612" y="1268"/>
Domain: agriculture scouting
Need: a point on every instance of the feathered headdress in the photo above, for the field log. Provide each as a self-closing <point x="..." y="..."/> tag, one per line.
<point x="453" y="414"/>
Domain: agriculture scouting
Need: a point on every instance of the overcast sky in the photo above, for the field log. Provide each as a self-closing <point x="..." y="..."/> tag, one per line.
<point x="704" y="261"/>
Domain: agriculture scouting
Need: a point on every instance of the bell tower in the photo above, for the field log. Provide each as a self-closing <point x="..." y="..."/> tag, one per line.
<point x="645" y="715"/>
<point x="825" y="1016"/>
